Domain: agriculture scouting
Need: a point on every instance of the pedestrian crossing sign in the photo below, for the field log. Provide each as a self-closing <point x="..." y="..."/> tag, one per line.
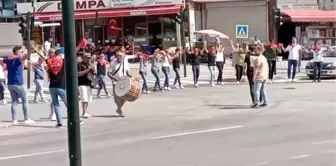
<point x="241" y="31"/>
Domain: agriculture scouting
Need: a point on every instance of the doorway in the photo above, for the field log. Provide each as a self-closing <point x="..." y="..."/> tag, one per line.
<point x="155" y="35"/>
<point x="285" y="34"/>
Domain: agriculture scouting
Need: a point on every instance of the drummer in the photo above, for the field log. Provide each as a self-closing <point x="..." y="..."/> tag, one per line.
<point x="118" y="68"/>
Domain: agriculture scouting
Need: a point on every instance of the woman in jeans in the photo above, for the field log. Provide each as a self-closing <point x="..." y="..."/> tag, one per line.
<point x="220" y="61"/>
<point x="211" y="63"/>
<point x="155" y="69"/>
<point x="176" y="68"/>
<point x="194" y="57"/>
<point x="166" y="58"/>
<point x="143" y="72"/>
<point x="39" y="80"/>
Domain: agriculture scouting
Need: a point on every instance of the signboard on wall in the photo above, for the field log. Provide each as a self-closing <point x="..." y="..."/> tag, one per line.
<point x="297" y="4"/>
<point x="56" y="6"/>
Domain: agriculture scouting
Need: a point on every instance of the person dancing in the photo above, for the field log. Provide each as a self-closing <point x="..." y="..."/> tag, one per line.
<point x="176" y="68"/>
<point x="194" y="57"/>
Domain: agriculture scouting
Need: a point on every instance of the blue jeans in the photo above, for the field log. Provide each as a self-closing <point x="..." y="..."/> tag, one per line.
<point x="16" y="92"/>
<point x="39" y="89"/>
<point x="196" y="72"/>
<point x="212" y="70"/>
<point x="292" y="64"/>
<point x="177" y="77"/>
<point x="165" y="70"/>
<point x="102" y="84"/>
<point x="143" y="75"/>
<point x="259" y="90"/>
<point x="157" y="79"/>
<point x="317" y="70"/>
<point x="55" y="93"/>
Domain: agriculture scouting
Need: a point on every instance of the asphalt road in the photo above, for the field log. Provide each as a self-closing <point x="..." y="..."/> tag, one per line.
<point x="193" y="127"/>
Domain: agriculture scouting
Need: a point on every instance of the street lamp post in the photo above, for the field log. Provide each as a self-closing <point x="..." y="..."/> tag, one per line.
<point x="74" y="140"/>
<point x="182" y="31"/>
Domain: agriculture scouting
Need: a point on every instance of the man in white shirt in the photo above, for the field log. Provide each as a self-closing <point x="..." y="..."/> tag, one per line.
<point x="318" y="61"/>
<point x="47" y="45"/>
<point x="294" y="50"/>
<point x="118" y="68"/>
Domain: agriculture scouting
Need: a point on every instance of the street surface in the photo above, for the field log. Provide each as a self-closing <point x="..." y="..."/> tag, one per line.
<point x="205" y="126"/>
<point x="229" y="77"/>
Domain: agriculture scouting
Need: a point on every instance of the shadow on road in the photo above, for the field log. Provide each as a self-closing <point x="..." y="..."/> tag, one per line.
<point x="107" y="116"/>
<point x="228" y="107"/>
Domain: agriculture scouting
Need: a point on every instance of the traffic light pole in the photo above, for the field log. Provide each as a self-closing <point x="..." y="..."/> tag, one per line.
<point x="182" y="31"/>
<point x="74" y="138"/>
<point x="28" y="48"/>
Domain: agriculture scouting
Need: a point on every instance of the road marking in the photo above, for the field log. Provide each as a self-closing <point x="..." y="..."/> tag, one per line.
<point x="31" y="154"/>
<point x="300" y="157"/>
<point x="196" y="132"/>
<point x="324" y="142"/>
<point x="5" y="135"/>
<point x="260" y="163"/>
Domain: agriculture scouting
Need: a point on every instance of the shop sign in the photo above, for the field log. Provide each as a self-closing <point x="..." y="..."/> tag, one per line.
<point x="138" y="13"/>
<point x="56" y="6"/>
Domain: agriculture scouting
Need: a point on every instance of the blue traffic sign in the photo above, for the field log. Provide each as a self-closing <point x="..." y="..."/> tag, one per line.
<point x="241" y="31"/>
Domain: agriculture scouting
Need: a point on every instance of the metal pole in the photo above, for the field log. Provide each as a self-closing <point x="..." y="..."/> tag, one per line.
<point x="74" y="138"/>
<point x="29" y="47"/>
<point x="182" y="41"/>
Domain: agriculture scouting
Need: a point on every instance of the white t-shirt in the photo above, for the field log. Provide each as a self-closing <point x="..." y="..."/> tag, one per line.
<point x="318" y="56"/>
<point x="219" y="56"/>
<point x="294" y="51"/>
<point x="124" y="67"/>
<point x="47" y="45"/>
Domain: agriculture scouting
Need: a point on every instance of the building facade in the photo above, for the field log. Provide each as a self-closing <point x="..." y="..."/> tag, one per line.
<point x="147" y="22"/>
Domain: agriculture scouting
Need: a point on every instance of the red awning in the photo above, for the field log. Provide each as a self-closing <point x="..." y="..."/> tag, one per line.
<point x="311" y="15"/>
<point x="57" y="16"/>
<point x="140" y="11"/>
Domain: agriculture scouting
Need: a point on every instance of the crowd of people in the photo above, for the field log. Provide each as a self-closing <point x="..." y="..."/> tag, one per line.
<point x="257" y="61"/>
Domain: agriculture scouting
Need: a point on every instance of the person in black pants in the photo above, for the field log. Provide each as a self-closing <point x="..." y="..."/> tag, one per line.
<point x="271" y="52"/>
<point x="249" y="58"/>
<point x="194" y="57"/>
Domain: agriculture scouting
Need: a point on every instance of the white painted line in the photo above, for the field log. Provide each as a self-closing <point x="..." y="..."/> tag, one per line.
<point x="196" y="132"/>
<point x="31" y="154"/>
<point x="5" y="134"/>
<point x="260" y="163"/>
<point x="324" y="142"/>
<point x="300" y="157"/>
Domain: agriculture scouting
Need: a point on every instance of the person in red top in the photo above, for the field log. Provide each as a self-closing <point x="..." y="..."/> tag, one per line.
<point x="101" y="73"/>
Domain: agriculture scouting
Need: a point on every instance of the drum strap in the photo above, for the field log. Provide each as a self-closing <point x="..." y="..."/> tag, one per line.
<point x="117" y="69"/>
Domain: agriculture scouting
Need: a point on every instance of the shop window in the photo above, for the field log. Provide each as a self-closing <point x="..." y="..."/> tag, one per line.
<point x="169" y="31"/>
<point x="8" y="4"/>
<point x="135" y="29"/>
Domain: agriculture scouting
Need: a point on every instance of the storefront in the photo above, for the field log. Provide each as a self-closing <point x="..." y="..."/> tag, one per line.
<point x="224" y="15"/>
<point x="114" y="22"/>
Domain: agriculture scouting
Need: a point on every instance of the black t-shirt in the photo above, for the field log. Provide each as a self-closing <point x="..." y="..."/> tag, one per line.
<point x="176" y="62"/>
<point x="194" y="59"/>
<point x="211" y="59"/>
<point x="249" y="57"/>
<point x="57" y="80"/>
<point x="84" y="79"/>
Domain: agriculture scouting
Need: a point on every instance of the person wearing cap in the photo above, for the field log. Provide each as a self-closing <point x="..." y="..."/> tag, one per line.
<point x="86" y="70"/>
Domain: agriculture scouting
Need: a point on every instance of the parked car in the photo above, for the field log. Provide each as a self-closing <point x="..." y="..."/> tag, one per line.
<point x="328" y="65"/>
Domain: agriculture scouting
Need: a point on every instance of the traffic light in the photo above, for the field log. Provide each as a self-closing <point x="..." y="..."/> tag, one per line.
<point x="23" y="27"/>
<point x="276" y="18"/>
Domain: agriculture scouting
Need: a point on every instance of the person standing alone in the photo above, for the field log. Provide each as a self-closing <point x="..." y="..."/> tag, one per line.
<point x="260" y="74"/>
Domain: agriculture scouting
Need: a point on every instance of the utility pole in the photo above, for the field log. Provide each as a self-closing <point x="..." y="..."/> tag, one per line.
<point x="182" y="30"/>
<point x="29" y="28"/>
<point x="276" y="15"/>
<point x="74" y="138"/>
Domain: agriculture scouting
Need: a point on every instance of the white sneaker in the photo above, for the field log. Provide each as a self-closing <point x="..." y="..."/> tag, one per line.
<point x="213" y="85"/>
<point x="29" y="121"/>
<point x="44" y="100"/>
<point x="176" y="86"/>
<point x="86" y="115"/>
<point x="181" y="87"/>
<point x="36" y="101"/>
<point x="148" y="92"/>
<point x="165" y="88"/>
<point x="289" y="80"/>
<point x="52" y="117"/>
<point x="4" y="101"/>
<point x="238" y="82"/>
<point x="15" y="122"/>
<point x="222" y="83"/>
<point x="196" y="85"/>
<point x="168" y="88"/>
<point x="293" y="80"/>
